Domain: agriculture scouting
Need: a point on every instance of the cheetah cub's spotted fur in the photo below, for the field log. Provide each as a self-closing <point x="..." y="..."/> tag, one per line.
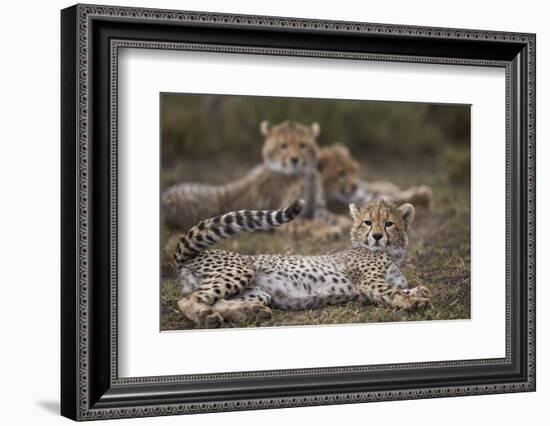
<point x="342" y="184"/>
<point x="288" y="172"/>
<point x="223" y="286"/>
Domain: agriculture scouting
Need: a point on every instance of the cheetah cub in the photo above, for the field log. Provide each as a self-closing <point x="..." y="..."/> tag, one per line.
<point x="219" y="286"/>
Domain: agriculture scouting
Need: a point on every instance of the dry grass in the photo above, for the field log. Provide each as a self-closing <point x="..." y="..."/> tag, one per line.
<point x="438" y="256"/>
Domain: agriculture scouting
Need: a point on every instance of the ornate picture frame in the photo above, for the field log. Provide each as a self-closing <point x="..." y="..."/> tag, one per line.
<point x="91" y="37"/>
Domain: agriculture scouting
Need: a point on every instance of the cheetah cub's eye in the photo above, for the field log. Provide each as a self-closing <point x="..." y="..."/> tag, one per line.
<point x="388" y="224"/>
<point x="284" y="146"/>
<point x="342" y="173"/>
<point x="302" y="146"/>
<point x="368" y="222"/>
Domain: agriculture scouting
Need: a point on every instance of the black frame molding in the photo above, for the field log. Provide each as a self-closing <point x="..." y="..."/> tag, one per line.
<point x="90" y="38"/>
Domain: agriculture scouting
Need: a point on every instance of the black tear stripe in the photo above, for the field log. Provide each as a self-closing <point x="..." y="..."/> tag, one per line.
<point x="387" y="237"/>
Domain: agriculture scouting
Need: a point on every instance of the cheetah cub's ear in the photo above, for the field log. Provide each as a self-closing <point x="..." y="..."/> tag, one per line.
<point x="354" y="211"/>
<point x="265" y="127"/>
<point x="315" y="129"/>
<point x="407" y="213"/>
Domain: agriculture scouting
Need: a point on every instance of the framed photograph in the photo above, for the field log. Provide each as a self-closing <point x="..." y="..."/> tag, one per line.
<point x="263" y="212"/>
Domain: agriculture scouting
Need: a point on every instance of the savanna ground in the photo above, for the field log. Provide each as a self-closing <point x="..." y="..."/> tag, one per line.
<point x="438" y="254"/>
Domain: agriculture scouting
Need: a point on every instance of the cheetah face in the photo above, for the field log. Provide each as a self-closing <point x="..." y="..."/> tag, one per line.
<point x="339" y="172"/>
<point x="290" y="148"/>
<point x="380" y="226"/>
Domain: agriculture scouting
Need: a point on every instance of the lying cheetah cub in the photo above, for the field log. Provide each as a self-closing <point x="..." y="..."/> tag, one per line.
<point x="223" y="286"/>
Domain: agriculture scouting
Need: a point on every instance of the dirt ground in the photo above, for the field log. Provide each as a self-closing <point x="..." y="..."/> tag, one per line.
<point x="438" y="255"/>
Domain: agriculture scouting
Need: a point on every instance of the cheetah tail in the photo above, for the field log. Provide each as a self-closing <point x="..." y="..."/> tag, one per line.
<point x="210" y="231"/>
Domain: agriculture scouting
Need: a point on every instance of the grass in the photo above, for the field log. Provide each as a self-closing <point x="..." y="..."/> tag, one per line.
<point x="438" y="255"/>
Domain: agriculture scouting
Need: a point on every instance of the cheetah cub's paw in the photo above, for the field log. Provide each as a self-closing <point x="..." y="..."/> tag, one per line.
<point x="415" y="298"/>
<point x="420" y="302"/>
<point x="420" y="291"/>
<point x="415" y="302"/>
<point x="212" y="320"/>
<point x="243" y="311"/>
<point x="261" y="312"/>
<point x="202" y="315"/>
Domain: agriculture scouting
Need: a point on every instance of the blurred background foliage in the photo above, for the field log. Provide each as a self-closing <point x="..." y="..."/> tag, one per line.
<point x="199" y="126"/>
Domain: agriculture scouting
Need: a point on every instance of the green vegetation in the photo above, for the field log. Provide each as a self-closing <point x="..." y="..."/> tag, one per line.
<point x="197" y="126"/>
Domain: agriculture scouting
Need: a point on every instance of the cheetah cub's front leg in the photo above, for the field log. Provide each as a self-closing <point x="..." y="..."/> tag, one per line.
<point x="252" y="305"/>
<point x="395" y="277"/>
<point x="200" y="306"/>
<point x="377" y="290"/>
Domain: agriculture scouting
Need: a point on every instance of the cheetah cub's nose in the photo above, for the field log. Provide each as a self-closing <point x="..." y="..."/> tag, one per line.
<point x="377" y="236"/>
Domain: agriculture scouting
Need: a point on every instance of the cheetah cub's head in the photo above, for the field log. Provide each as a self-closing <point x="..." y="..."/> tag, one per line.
<point x="290" y="148"/>
<point x="339" y="172"/>
<point x="381" y="226"/>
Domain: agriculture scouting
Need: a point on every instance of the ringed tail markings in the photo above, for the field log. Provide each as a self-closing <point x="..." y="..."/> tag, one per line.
<point x="210" y="231"/>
